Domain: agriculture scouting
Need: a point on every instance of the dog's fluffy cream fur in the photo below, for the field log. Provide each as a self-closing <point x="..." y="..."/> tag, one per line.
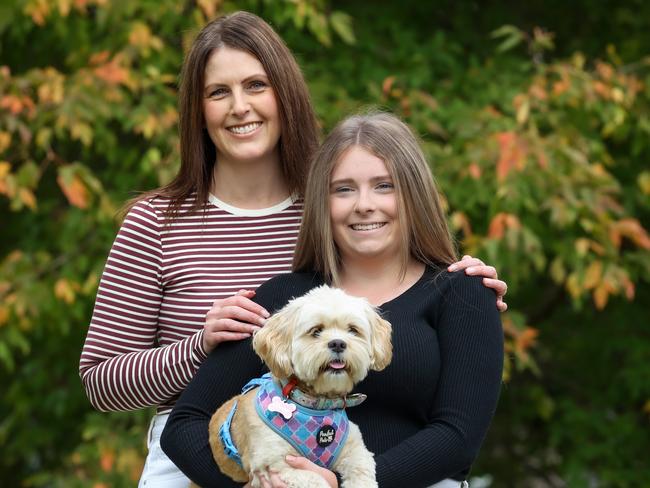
<point x="294" y="342"/>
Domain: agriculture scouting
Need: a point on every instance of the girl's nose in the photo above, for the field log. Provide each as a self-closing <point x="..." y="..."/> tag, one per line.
<point x="365" y="203"/>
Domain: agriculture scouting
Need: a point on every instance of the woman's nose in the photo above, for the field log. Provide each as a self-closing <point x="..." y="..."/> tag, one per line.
<point x="240" y="105"/>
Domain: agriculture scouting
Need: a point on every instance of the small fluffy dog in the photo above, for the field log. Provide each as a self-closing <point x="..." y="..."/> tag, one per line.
<point x="317" y="348"/>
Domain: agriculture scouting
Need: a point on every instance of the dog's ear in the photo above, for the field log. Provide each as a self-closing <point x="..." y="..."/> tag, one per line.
<point x="382" y="347"/>
<point x="272" y="342"/>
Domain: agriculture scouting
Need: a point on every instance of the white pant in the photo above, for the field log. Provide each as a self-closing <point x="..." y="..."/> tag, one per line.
<point x="449" y="483"/>
<point x="159" y="471"/>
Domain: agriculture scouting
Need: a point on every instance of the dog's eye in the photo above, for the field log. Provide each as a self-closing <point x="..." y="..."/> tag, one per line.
<point x="315" y="331"/>
<point x="353" y="330"/>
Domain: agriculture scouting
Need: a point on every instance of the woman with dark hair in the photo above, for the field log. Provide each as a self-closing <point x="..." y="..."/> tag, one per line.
<point x="185" y="263"/>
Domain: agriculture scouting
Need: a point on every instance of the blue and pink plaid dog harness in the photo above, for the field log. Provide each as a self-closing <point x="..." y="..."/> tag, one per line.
<point x="316" y="433"/>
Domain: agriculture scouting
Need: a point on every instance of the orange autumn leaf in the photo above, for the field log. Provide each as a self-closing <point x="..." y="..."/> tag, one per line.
<point x="630" y="228"/>
<point x="64" y="291"/>
<point x="387" y="85"/>
<point x="474" y="171"/>
<point x="526" y="339"/>
<point x="99" y="58"/>
<point x="512" y="154"/>
<point x="107" y="459"/>
<point x="112" y="73"/>
<point x="74" y="190"/>
<point x="12" y="103"/>
<point x="500" y="223"/>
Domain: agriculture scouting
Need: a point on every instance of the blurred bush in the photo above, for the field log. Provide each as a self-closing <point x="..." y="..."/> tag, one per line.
<point x="539" y="140"/>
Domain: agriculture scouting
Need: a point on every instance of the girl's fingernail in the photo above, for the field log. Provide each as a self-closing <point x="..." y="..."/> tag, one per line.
<point x="290" y="457"/>
<point x="453" y="267"/>
<point x="265" y="314"/>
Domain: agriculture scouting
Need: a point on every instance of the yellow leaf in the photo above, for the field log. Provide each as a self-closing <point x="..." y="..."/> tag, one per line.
<point x="523" y="111"/>
<point x="209" y="7"/>
<point x="601" y="295"/>
<point x="573" y="286"/>
<point x="5" y="141"/>
<point x="27" y="197"/>
<point x="593" y="275"/>
<point x="5" y="169"/>
<point x="64" y="291"/>
<point x="644" y="182"/>
<point x="460" y="221"/>
<point x="38" y="10"/>
<point x="74" y="190"/>
<point x="557" y="270"/>
<point x="82" y="132"/>
<point x="64" y="7"/>
<point x="582" y="246"/>
<point x="4" y="314"/>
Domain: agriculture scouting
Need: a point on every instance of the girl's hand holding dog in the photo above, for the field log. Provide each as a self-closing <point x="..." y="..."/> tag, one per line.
<point x="232" y="319"/>
<point x="476" y="267"/>
<point x="271" y="479"/>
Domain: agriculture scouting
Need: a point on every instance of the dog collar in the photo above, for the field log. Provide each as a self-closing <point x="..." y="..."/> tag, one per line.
<point x="291" y="391"/>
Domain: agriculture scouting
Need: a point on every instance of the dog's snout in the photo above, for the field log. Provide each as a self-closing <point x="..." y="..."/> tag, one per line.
<point x="337" y="345"/>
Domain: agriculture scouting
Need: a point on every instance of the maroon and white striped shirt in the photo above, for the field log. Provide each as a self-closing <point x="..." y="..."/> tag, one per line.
<point x="144" y="342"/>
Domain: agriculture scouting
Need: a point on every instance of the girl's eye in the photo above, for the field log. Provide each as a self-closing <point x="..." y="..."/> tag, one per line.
<point x="342" y="189"/>
<point x="385" y="186"/>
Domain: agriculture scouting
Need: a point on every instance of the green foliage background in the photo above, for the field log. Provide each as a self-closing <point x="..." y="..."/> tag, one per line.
<point x="536" y="119"/>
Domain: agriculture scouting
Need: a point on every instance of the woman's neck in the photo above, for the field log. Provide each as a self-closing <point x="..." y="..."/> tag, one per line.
<point x="250" y="184"/>
<point x="379" y="282"/>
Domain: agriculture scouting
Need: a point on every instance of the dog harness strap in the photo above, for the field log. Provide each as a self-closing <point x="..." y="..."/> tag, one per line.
<point x="318" y="435"/>
<point x="226" y="439"/>
<point x="229" y="446"/>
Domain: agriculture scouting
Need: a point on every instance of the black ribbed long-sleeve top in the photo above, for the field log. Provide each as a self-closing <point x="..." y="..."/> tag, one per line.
<point x="426" y="414"/>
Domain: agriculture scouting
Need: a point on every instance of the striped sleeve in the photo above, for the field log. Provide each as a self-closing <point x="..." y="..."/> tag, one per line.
<point x="121" y="366"/>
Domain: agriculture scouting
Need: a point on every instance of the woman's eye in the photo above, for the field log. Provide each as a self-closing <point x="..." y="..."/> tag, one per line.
<point x="342" y="189"/>
<point x="218" y="93"/>
<point x="257" y="85"/>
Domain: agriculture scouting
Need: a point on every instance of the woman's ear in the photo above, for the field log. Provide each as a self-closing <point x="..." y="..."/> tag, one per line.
<point x="272" y="342"/>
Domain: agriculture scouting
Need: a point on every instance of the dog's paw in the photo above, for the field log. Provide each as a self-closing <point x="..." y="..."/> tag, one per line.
<point x="299" y="478"/>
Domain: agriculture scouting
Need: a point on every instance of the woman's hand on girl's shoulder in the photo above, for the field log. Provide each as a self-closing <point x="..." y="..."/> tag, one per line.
<point x="232" y="319"/>
<point x="476" y="267"/>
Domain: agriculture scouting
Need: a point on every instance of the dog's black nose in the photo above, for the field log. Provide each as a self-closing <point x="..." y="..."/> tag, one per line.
<point x="337" y="345"/>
